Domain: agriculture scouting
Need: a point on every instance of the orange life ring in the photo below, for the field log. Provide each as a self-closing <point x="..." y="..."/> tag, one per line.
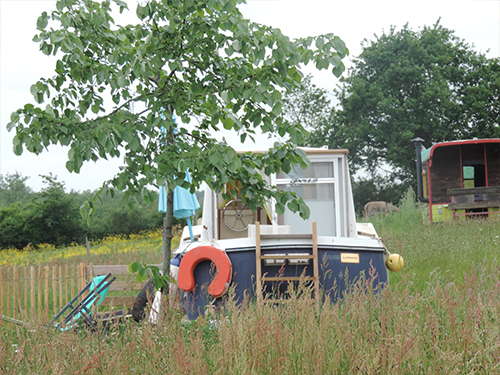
<point x="220" y="283"/>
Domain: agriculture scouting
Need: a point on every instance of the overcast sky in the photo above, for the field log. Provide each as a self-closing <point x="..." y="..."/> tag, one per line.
<point x="21" y="63"/>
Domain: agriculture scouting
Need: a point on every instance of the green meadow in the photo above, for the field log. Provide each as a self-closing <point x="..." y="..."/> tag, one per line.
<point x="440" y="315"/>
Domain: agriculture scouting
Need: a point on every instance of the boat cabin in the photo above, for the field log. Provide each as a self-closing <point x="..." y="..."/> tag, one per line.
<point x="325" y="187"/>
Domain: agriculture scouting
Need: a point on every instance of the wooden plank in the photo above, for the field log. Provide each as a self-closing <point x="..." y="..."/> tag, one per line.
<point x="258" y="265"/>
<point x="73" y="281"/>
<point x="54" y="288"/>
<point x="81" y="277"/>
<point x="473" y="205"/>
<point x="25" y="289"/>
<point x="46" y="274"/>
<point x="113" y="269"/>
<point x="118" y="301"/>
<point x="104" y="270"/>
<point x="39" y="307"/>
<point x="90" y="272"/>
<point x="287" y="278"/>
<point x="39" y="290"/>
<point x="32" y="290"/>
<point x="61" y="304"/>
<point x="476" y="190"/>
<point x="2" y="294"/>
<point x="125" y="285"/>
<point x="445" y="172"/>
<point x="66" y="281"/>
<point x="15" y="285"/>
<point x="8" y="293"/>
<point x="315" y="261"/>
<point x="18" y="292"/>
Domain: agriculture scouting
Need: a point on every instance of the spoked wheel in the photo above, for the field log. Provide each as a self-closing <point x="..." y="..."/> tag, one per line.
<point x="236" y="215"/>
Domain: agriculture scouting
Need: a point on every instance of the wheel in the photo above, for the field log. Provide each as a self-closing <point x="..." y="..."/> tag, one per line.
<point x="234" y="216"/>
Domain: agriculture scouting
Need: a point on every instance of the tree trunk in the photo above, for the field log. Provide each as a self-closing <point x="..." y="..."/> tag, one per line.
<point x="168" y="221"/>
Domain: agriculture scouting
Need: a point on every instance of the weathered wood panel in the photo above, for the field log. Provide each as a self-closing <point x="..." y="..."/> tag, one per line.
<point x="493" y="163"/>
<point x="445" y="173"/>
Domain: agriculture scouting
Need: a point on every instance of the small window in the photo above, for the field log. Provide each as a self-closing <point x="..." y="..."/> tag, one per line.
<point x="468" y="173"/>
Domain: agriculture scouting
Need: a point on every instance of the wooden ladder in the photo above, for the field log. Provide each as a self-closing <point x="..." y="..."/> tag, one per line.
<point x="260" y="279"/>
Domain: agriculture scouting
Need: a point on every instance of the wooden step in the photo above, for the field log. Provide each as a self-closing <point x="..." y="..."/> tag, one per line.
<point x="260" y="279"/>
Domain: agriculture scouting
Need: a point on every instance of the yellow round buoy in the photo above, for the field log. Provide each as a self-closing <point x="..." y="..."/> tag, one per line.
<point x="395" y="262"/>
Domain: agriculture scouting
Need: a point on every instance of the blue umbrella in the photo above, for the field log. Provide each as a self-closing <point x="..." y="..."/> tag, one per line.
<point x="185" y="203"/>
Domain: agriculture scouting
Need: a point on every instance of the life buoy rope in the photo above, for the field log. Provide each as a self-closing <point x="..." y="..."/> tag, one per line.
<point x="224" y="270"/>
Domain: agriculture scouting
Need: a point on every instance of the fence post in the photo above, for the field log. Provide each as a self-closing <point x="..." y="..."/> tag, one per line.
<point x="54" y="288"/>
<point x="33" y="290"/>
<point x="46" y="302"/>
<point x="60" y="289"/>
<point x="66" y="281"/>
<point x="91" y="273"/>
<point x="14" y="292"/>
<point x="87" y="246"/>
<point x="40" y="306"/>
<point x="2" y="295"/>
<point x="25" y="311"/>
<point x="82" y="276"/>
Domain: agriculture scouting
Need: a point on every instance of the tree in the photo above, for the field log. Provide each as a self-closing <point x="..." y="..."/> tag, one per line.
<point x="307" y="105"/>
<point x="13" y="189"/>
<point x="201" y="59"/>
<point x="53" y="216"/>
<point x="405" y="84"/>
<point x="50" y="217"/>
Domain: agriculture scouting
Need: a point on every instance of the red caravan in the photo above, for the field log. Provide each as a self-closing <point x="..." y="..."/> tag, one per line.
<point x="459" y="179"/>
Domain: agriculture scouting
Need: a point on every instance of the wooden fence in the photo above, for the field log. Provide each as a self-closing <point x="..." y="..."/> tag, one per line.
<point x="42" y="291"/>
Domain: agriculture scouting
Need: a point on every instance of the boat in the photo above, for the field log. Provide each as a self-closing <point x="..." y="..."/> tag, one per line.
<point x="251" y="253"/>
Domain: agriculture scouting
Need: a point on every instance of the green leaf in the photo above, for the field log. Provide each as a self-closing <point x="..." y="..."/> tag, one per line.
<point x="234" y="165"/>
<point x="42" y="21"/>
<point x="227" y="123"/>
<point x="14" y="117"/>
<point x="102" y="138"/>
<point x="122" y="81"/>
<point x="225" y="96"/>
<point x="237" y="45"/>
<point x="338" y="70"/>
<point x="339" y="46"/>
<point x="70" y="166"/>
<point x="55" y="38"/>
<point x="293" y="206"/>
<point x="214" y="158"/>
<point x="277" y="108"/>
<point x="142" y="274"/>
<point x="134" y="267"/>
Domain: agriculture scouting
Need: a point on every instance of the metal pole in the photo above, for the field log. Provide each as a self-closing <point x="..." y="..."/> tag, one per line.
<point x="418" y="150"/>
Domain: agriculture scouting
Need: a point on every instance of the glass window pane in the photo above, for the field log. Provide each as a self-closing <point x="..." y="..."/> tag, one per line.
<point x="315" y="170"/>
<point x="468" y="173"/>
<point x="320" y="200"/>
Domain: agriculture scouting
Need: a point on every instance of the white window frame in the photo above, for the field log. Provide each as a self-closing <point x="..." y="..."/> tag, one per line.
<point x="336" y="160"/>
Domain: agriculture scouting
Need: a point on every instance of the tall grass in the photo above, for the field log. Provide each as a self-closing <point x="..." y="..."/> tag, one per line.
<point x="447" y="249"/>
<point x="440" y="315"/>
<point x="448" y="328"/>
